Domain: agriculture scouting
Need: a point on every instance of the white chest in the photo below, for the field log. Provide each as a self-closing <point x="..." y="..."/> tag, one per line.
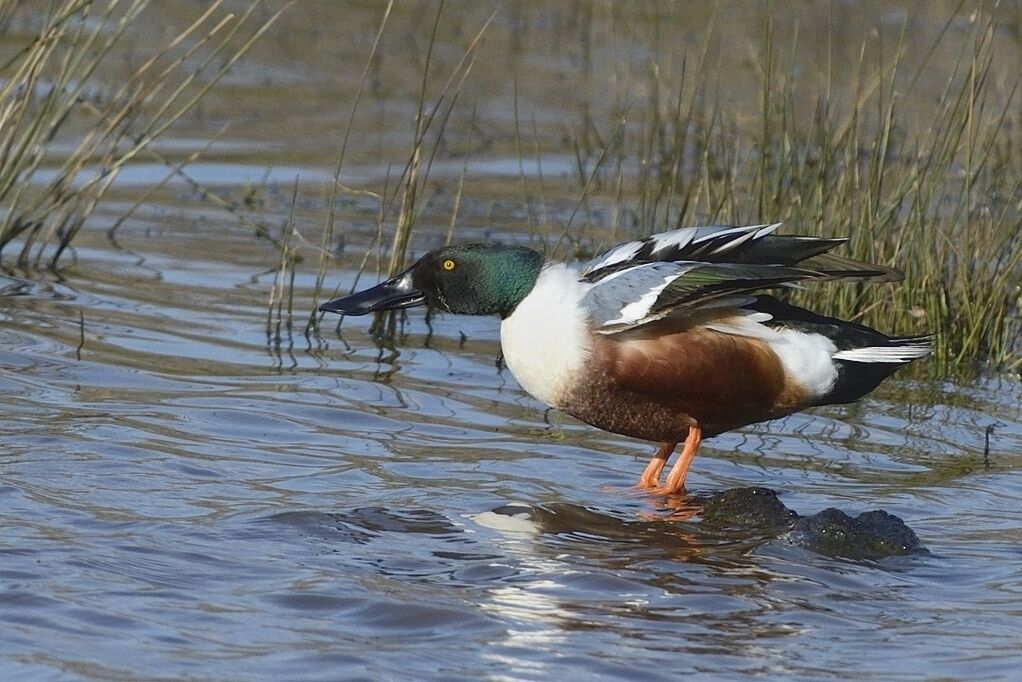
<point x="546" y="340"/>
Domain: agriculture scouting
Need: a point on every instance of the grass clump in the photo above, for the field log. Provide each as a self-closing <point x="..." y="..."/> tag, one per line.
<point x="50" y="99"/>
<point x="905" y="141"/>
<point x="400" y="199"/>
<point x="938" y="195"/>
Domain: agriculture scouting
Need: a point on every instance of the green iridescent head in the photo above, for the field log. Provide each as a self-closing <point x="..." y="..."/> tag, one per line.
<point x="472" y="279"/>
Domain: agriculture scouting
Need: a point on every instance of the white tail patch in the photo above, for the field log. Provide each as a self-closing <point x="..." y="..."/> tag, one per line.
<point x="886" y="354"/>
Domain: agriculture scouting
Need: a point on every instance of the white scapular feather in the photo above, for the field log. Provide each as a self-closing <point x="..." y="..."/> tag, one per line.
<point x="637" y="310"/>
<point x="615" y="275"/>
<point x="750" y="232"/>
<point x="681" y="238"/>
<point x="677" y="238"/>
<point x="618" y="254"/>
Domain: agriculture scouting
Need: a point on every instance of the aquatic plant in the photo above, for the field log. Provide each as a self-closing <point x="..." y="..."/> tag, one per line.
<point x="64" y="137"/>
<point x="433" y="108"/>
<point x="860" y="142"/>
<point x="937" y="195"/>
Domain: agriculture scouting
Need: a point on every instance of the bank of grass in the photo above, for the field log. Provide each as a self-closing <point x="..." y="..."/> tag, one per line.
<point x="51" y="98"/>
<point x="940" y="198"/>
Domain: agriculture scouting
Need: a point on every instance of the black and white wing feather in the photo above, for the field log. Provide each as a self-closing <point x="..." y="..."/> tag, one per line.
<point x="687" y="270"/>
<point x="648" y="292"/>
<point x="750" y="245"/>
<point x="685" y="244"/>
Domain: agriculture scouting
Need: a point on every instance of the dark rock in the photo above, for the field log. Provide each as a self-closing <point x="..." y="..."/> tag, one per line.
<point x="871" y="535"/>
<point x="748" y="508"/>
<point x="738" y="517"/>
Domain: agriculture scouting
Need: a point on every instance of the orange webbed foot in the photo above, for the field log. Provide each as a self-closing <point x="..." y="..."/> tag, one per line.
<point x="650" y="478"/>
<point x="675" y="484"/>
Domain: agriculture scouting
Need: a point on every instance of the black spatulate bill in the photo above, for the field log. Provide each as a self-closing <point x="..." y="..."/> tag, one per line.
<point x="392" y="294"/>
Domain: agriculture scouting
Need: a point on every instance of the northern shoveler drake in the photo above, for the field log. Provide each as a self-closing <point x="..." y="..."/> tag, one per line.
<point x="663" y="338"/>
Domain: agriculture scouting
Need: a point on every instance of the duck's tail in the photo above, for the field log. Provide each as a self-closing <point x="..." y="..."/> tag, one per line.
<point x="897" y="350"/>
<point x="861" y="369"/>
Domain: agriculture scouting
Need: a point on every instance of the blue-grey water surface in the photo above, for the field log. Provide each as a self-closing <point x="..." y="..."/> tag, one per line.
<point x="183" y="499"/>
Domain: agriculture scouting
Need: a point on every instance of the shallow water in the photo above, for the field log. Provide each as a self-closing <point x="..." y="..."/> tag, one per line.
<point x="182" y="498"/>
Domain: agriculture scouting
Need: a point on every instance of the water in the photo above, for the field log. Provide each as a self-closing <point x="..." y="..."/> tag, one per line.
<point x="181" y="498"/>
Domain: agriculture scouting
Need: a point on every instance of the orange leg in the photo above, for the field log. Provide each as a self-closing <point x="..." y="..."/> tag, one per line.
<point x="676" y="479"/>
<point x="651" y="475"/>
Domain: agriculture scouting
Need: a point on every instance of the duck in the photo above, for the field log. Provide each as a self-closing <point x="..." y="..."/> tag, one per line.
<point x="669" y="338"/>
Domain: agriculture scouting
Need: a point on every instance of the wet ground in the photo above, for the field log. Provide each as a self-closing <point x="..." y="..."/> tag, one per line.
<point x="182" y="498"/>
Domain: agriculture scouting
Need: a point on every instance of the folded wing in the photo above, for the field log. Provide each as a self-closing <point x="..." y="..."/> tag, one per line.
<point x="693" y="269"/>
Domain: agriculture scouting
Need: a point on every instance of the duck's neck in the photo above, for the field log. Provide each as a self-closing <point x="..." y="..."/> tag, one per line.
<point x="510" y="281"/>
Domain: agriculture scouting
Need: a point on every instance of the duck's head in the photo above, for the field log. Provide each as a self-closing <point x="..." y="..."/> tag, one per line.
<point x="472" y="279"/>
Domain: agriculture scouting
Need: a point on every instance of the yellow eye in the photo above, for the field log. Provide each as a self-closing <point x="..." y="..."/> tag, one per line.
<point x="448" y="265"/>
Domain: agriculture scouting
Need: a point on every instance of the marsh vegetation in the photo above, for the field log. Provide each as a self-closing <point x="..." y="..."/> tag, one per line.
<point x="905" y="141"/>
<point x="902" y="134"/>
<point x="201" y="477"/>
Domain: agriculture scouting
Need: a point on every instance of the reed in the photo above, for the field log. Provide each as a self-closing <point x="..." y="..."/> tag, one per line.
<point x="841" y="151"/>
<point x="326" y="251"/>
<point x="48" y="97"/>
<point x="400" y="199"/>
<point x="937" y="198"/>
<point x="281" y="303"/>
<point x="430" y="124"/>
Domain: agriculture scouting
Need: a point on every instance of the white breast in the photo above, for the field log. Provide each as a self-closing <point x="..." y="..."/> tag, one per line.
<point x="546" y="340"/>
